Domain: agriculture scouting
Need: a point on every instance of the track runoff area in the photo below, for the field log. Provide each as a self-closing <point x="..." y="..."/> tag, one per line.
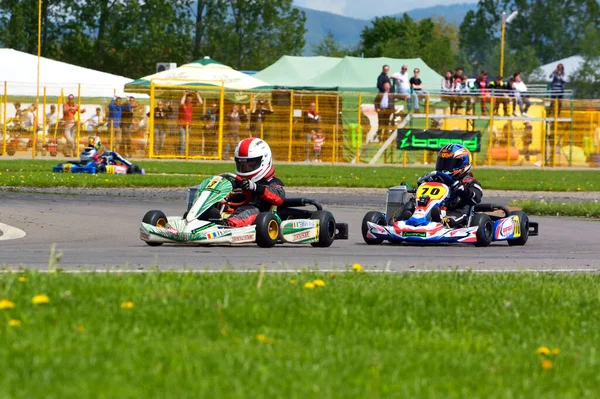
<point x="100" y="232"/>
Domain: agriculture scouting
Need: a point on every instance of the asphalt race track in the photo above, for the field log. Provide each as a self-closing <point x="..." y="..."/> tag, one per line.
<point x="100" y="230"/>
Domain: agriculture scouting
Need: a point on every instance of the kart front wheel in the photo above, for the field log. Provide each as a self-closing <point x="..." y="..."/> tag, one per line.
<point x="373" y="217"/>
<point x="155" y="218"/>
<point x="485" y="229"/>
<point x="326" y="228"/>
<point x="267" y="230"/>
<point x="524" y="226"/>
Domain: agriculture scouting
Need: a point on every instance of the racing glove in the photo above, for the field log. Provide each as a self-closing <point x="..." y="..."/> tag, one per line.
<point x="248" y="185"/>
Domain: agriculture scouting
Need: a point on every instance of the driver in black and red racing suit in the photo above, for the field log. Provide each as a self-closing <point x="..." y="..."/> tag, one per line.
<point x="455" y="161"/>
<point x="254" y="165"/>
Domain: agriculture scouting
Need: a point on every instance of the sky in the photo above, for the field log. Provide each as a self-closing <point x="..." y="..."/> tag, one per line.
<point x="365" y="9"/>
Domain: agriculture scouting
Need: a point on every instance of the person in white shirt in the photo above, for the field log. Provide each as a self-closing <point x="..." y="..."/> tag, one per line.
<point x="403" y="83"/>
<point x="51" y="119"/>
<point x="95" y="121"/>
<point x="28" y="117"/>
<point x="521" y="95"/>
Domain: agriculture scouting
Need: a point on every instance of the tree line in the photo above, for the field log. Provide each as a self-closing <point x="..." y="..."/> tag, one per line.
<point x="128" y="37"/>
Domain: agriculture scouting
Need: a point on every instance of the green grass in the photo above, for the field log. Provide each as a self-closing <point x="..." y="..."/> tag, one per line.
<point x="182" y="174"/>
<point x="445" y="335"/>
<point x="583" y="209"/>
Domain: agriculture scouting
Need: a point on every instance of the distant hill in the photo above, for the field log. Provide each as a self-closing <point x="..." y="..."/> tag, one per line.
<point x="347" y="30"/>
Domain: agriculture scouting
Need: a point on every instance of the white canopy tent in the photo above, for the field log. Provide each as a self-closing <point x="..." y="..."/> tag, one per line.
<point x="19" y="70"/>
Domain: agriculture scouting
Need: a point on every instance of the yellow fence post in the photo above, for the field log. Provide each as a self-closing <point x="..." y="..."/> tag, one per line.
<point x="543" y="137"/>
<point x="112" y="135"/>
<point x="78" y="117"/>
<point x="187" y="141"/>
<point x="58" y="108"/>
<point x="291" y="132"/>
<point x="44" y="119"/>
<point x="335" y="130"/>
<point x="555" y="132"/>
<point x="221" y="118"/>
<point x="426" y="125"/>
<point x="491" y="133"/>
<point x="359" y="130"/>
<point x="151" y="137"/>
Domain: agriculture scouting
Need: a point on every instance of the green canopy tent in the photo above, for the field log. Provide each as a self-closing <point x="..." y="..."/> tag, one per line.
<point x="293" y="72"/>
<point x="203" y="72"/>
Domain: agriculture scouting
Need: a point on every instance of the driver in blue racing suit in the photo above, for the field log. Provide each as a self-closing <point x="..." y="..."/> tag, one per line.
<point x="455" y="161"/>
<point x="254" y="165"/>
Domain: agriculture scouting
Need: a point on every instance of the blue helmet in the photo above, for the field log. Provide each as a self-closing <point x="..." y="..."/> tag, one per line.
<point x="454" y="160"/>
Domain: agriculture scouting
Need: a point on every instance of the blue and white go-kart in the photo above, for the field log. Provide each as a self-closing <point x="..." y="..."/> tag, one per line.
<point x="487" y="222"/>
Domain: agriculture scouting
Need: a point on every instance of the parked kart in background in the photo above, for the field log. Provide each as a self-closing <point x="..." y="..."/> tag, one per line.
<point x="212" y="202"/>
<point x="487" y="222"/>
<point x="110" y="162"/>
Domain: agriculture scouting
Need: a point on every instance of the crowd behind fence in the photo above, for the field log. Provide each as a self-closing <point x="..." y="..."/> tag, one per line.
<point x="206" y="122"/>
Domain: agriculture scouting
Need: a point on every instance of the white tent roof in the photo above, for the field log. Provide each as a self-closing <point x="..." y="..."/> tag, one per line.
<point x="20" y="71"/>
<point x="571" y="64"/>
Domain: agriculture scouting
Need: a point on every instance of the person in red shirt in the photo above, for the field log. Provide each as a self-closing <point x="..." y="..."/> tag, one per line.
<point x="484" y="93"/>
<point x="186" y="112"/>
<point x="68" y="120"/>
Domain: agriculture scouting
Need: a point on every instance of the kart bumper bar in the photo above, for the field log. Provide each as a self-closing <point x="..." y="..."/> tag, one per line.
<point x="299" y="202"/>
<point x="533" y="228"/>
<point x="341" y="231"/>
<point x="491" y="208"/>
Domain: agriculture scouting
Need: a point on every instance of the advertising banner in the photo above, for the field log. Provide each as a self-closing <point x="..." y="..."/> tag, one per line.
<point x="419" y="139"/>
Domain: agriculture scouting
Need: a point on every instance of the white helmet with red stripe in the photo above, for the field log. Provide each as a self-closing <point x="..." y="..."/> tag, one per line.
<point x="253" y="159"/>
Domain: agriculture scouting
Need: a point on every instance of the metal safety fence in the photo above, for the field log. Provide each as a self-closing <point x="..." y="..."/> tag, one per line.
<point x="186" y="121"/>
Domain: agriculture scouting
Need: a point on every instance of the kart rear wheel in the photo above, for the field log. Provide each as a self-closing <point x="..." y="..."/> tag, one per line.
<point x="485" y="229"/>
<point x="155" y="218"/>
<point x="524" y="225"/>
<point x="326" y="228"/>
<point x="267" y="230"/>
<point x="373" y="217"/>
<point x="133" y="170"/>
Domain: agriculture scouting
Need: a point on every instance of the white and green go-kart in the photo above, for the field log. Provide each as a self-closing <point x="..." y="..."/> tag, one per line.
<point x="210" y="204"/>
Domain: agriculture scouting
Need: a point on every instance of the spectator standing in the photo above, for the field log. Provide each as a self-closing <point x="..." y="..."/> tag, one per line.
<point x="403" y="84"/>
<point x="385" y="107"/>
<point x="318" y="141"/>
<point x="383" y="78"/>
<point x="258" y="114"/>
<point x="51" y="119"/>
<point x="160" y="127"/>
<point x="499" y="89"/>
<point x="520" y="93"/>
<point x="210" y="126"/>
<point x="557" y="87"/>
<point x="127" y="125"/>
<point x="448" y="90"/>
<point x="311" y="123"/>
<point x="115" y="110"/>
<point x="460" y="89"/>
<point x="416" y="87"/>
<point x="232" y="133"/>
<point x="68" y="121"/>
<point x="186" y="114"/>
<point x="482" y="86"/>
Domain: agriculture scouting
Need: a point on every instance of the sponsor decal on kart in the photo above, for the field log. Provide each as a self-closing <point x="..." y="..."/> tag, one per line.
<point x="510" y="227"/>
<point x="243" y="237"/>
<point x="434" y="191"/>
<point x="110" y="169"/>
<point x="301" y="235"/>
<point x="173" y="231"/>
<point x="216" y="234"/>
<point x="67" y="167"/>
<point x="414" y="234"/>
<point x="301" y="224"/>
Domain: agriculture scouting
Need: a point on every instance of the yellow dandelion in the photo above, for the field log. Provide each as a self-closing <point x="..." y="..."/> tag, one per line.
<point x="555" y="351"/>
<point x="40" y="299"/>
<point x="357" y="267"/>
<point x="546" y="364"/>
<point x="14" y="323"/>
<point x="106" y="180"/>
<point x="22" y="177"/>
<point x="578" y="188"/>
<point x="7" y="304"/>
<point x="319" y="283"/>
<point x="23" y="279"/>
<point x="293" y="281"/>
<point x="127" y="305"/>
<point x="309" y="285"/>
<point x="543" y="350"/>
<point x="80" y="329"/>
<point x="264" y="339"/>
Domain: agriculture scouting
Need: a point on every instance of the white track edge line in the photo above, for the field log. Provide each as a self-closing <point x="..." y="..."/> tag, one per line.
<point x="295" y="271"/>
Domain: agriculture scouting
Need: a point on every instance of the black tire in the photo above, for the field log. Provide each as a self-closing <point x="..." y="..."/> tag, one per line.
<point x="155" y="218"/>
<point x="133" y="170"/>
<point x="326" y="229"/>
<point x="267" y="230"/>
<point x="101" y="168"/>
<point x="524" y="224"/>
<point x="485" y="229"/>
<point x="373" y="217"/>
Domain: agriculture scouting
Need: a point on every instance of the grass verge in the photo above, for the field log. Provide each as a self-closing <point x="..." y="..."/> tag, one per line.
<point x="219" y="335"/>
<point x="552" y="208"/>
<point x="29" y="173"/>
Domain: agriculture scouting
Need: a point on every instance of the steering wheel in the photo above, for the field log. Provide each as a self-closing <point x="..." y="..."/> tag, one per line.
<point x="445" y="177"/>
<point x="231" y="199"/>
